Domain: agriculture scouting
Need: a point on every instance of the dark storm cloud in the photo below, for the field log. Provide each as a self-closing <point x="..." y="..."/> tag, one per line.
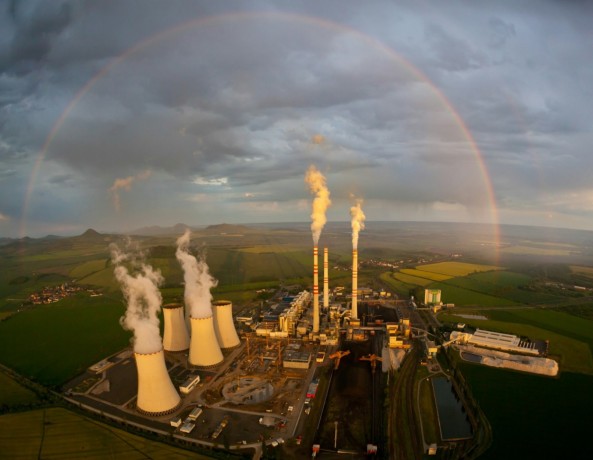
<point x="225" y="109"/>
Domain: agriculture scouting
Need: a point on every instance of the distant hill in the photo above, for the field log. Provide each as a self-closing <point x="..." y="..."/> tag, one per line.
<point x="220" y="229"/>
<point x="156" y="230"/>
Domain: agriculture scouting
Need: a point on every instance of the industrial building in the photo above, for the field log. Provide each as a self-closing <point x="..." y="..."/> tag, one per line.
<point x="496" y="341"/>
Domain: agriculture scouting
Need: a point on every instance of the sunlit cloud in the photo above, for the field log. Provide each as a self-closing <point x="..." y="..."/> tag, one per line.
<point x="125" y="183"/>
<point x="214" y="181"/>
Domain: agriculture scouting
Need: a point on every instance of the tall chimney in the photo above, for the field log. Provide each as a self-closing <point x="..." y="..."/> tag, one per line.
<point x="325" y="280"/>
<point x="156" y="393"/>
<point x="175" y="335"/>
<point x="354" y="313"/>
<point x="224" y="327"/>
<point x="315" y="290"/>
<point x="204" y="350"/>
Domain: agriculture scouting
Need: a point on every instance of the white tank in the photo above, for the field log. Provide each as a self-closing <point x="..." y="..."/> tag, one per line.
<point x="226" y="334"/>
<point x="156" y="393"/>
<point x="354" y="284"/>
<point x="204" y="350"/>
<point x="175" y="336"/>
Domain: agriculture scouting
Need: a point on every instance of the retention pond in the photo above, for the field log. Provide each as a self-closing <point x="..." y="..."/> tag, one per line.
<point x="453" y="420"/>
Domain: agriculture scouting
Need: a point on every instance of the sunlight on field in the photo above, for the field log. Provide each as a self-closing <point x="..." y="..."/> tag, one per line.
<point x="581" y="270"/>
<point x="87" y="268"/>
<point x="409" y="279"/>
<point x="58" y="433"/>
<point x="432" y="276"/>
<point x="453" y="269"/>
<point x="264" y="248"/>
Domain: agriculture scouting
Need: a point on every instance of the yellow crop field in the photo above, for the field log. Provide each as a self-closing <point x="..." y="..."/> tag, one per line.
<point x="425" y="274"/>
<point x="455" y="269"/>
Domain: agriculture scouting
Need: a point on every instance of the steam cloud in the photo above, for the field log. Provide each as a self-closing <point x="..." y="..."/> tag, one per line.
<point x="357" y="221"/>
<point x="321" y="202"/>
<point x="198" y="281"/>
<point x="143" y="301"/>
<point x="126" y="184"/>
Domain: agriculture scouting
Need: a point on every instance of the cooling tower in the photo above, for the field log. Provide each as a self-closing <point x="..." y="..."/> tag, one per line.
<point x="175" y="337"/>
<point x="354" y="313"/>
<point x="325" y="280"/>
<point x="224" y="326"/>
<point x="156" y="393"/>
<point x="204" y="350"/>
<point x="315" y="290"/>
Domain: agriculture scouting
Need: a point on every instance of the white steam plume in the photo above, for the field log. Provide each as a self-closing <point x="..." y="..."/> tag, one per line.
<point x="143" y="302"/>
<point x="126" y="184"/>
<point x="321" y="202"/>
<point x="357" y="221"/>
<point x="198" y="281"/>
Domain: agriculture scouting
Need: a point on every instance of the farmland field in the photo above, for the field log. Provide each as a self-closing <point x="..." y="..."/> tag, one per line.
<point x="398" y="286"/>
<point x="13" y="393"/>
<point x="59" y="433"/>
<point x="455" y="269"/>
<point x="533" y="416"/>
<point x="580" y="270"/>
<point x="414" y="280"/>
<point x="54" y="342"/>
<point x="433" y="276"/>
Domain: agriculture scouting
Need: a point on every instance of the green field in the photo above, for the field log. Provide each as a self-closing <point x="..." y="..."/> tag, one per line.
<point x="399" y="287"/>
<point x="571" y="338"/>
<point x="533" y="417"/>
<point x="469" y="297"/>
<point x="87" y="268"/>
<point x="59" y="433"/>
<point x="51" y="343"/>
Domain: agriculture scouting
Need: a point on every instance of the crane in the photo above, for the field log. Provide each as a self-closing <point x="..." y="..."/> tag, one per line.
<point x="338" y="355"/>
<point x="373" y="358"/>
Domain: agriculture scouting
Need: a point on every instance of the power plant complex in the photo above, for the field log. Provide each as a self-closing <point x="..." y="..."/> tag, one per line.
<point x="202" y="368"/>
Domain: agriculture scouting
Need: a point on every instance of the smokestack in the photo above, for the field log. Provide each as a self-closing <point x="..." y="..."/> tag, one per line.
<point x="175" y="336"/>
<point x="325" y="280"/>
<point x="357" y="222"/>
<point x="224" y="327"/>
<point x="156" y="393"/>
<point x="204" y="350"/>
<point x="315" y="290"/>
<point x="354" y="313"/>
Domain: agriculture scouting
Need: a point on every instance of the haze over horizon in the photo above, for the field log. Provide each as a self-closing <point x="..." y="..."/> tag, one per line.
<point x="119" y="115"/>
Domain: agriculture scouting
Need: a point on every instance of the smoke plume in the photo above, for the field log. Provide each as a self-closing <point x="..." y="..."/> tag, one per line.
<point x="321" y="202"/>
<point x="198" y="281"/>
<point x="143" y="301"/>
<point x="126" y="184"/>
<point x="357" y="221"/>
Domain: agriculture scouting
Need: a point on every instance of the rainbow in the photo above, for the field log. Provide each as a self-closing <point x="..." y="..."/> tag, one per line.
<point x="276" y="16"/>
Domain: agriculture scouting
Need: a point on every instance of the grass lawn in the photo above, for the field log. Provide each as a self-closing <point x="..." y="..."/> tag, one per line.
<point x="59" y="433"/>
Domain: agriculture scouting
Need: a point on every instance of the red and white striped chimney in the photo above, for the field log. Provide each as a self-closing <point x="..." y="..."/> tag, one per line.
<point x="315" y="290"/>
<point x="325" y="280"/>
<point x="354" y="313"/>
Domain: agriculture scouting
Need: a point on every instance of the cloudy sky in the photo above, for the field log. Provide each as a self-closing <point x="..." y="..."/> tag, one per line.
<point x="120" y="114"/>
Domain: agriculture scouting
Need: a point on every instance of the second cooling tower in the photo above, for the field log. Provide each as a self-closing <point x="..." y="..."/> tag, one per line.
<point x="224" y="326"/>
<point x="204" y="350"/>
<point x="175" y="336"/>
